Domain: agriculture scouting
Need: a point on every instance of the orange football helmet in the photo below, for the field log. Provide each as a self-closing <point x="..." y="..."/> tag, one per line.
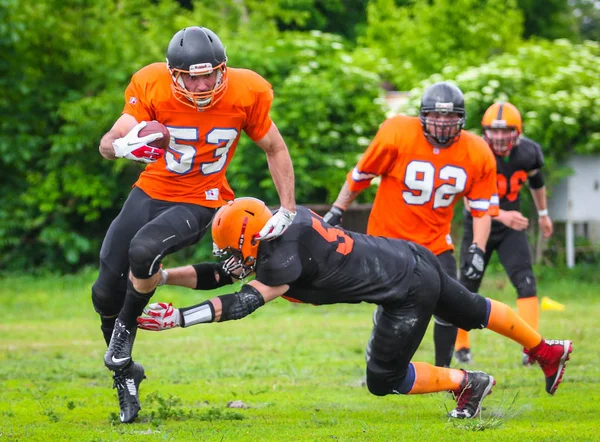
<point x="502" y="127"/>
<point x="234" y="230"/>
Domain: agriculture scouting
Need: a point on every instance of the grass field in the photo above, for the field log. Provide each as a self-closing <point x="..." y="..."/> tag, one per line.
<point x="299" y="370"/>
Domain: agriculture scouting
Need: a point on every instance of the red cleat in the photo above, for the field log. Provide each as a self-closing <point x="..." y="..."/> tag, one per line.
<point x="552" y="357"/>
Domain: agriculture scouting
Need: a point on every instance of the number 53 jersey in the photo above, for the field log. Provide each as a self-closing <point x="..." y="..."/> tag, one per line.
<point x="420" y="184"/>
<point x="202" y="142"/>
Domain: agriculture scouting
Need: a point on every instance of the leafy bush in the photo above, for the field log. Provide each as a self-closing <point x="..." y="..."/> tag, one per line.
<point x="325" y="107"/>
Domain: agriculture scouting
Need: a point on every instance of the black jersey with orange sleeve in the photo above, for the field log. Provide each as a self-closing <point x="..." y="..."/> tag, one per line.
<point x="327" y="265"/>
<point x="512" y="171"/>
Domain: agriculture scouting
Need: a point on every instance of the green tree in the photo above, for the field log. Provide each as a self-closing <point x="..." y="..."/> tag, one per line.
<point x="548" y="19"/>
<point x="424" y="37"/>
<point x="63" y="69"/>
<point x="587" y="14"/>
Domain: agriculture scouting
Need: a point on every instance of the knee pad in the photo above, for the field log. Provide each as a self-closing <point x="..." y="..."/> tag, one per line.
<point x="380" y="383"/>
<point x="145" y="256"/>
<point x="107" y="302"/>
<point x="383" y="360"/>
<point x="525" y="285"/>
<point x="471" y="285"/>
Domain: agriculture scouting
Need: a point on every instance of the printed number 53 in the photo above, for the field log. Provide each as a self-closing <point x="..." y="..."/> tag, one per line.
<point x="180" y="157"/>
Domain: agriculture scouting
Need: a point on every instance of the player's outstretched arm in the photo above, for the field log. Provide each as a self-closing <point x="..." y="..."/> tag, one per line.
<point x="162" y="316"/>
<point x="282" y="171"/>
<point x="203" y="276"/>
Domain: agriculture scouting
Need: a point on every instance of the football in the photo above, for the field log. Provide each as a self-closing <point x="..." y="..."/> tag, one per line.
<point x="153" y="127"/>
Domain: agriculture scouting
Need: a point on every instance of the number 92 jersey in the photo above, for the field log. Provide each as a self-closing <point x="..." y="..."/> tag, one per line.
<point x="202" y="142"/>
<point x="421" y="184"/>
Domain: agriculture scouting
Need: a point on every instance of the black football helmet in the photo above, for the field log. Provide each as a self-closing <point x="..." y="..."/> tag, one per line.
<point x="197" y="51"/>
<point x="443" y="99"/>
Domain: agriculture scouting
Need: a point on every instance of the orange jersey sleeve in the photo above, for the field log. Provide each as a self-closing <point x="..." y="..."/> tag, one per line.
<point x="420" y="184"/>
<point x="202" y="143"/>
<point x="378" y="158"/>
<point x="483" y="195"/>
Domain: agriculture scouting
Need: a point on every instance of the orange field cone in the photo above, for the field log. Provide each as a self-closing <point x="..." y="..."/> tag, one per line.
<point x="549" y="304"/>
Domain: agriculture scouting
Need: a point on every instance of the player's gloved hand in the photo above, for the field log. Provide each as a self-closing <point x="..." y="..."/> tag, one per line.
<point x="159" y="316"/>
<point x="277" y="224"/>
<point x="132" y="147"/>
<point x="334" y="216"/>
<point x="474" y="263"/>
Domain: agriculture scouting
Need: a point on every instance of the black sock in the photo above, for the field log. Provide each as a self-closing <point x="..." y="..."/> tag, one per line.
<point x="107" y="327"/>
<point x="444" y="337"/>
<point x="133" y="306"/>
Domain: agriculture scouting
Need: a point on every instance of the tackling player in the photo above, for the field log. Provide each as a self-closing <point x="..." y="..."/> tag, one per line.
<point x="426" y="165"/>
<point x="313" y="262"/>
<point x="206" y="106"/>
<point x="518" y="159"/>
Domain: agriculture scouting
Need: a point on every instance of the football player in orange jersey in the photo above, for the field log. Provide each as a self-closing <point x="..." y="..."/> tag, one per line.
<point x="426" y="165"/>
<point x="518" y="159"/>
<point x="206" y="106"/>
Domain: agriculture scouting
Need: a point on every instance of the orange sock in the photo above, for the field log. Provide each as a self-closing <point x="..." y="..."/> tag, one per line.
<point x="462" y="340"/>
<point x="429" y="378"/>
<point x="505" y="321"/>
<point x="529" y="310"/>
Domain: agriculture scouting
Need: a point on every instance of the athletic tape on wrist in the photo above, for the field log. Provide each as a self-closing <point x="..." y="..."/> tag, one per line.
<point x="198" y="314"/>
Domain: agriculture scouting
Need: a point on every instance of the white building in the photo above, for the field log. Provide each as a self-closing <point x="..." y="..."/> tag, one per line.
<point x="576" y="202"/>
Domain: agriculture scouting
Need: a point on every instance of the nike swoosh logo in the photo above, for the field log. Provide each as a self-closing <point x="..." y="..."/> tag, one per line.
<point x="119" y="360"/>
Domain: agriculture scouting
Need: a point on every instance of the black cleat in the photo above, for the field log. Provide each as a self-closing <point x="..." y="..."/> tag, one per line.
<point x="475" y="387"/>
<point x="127" y="383"/>
<point x="463" y="356"/>
<point x="118" y="354"/>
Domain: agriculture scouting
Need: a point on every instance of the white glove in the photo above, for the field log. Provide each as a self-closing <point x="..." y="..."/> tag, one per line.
<point x="134" y="148"/>
<point x="277" y="224"/>
<point x="159" y="316"/>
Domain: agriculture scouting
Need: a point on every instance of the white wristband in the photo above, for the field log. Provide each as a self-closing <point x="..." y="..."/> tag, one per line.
<point x="543" y="212"/>
<point x="164" y="275"/>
